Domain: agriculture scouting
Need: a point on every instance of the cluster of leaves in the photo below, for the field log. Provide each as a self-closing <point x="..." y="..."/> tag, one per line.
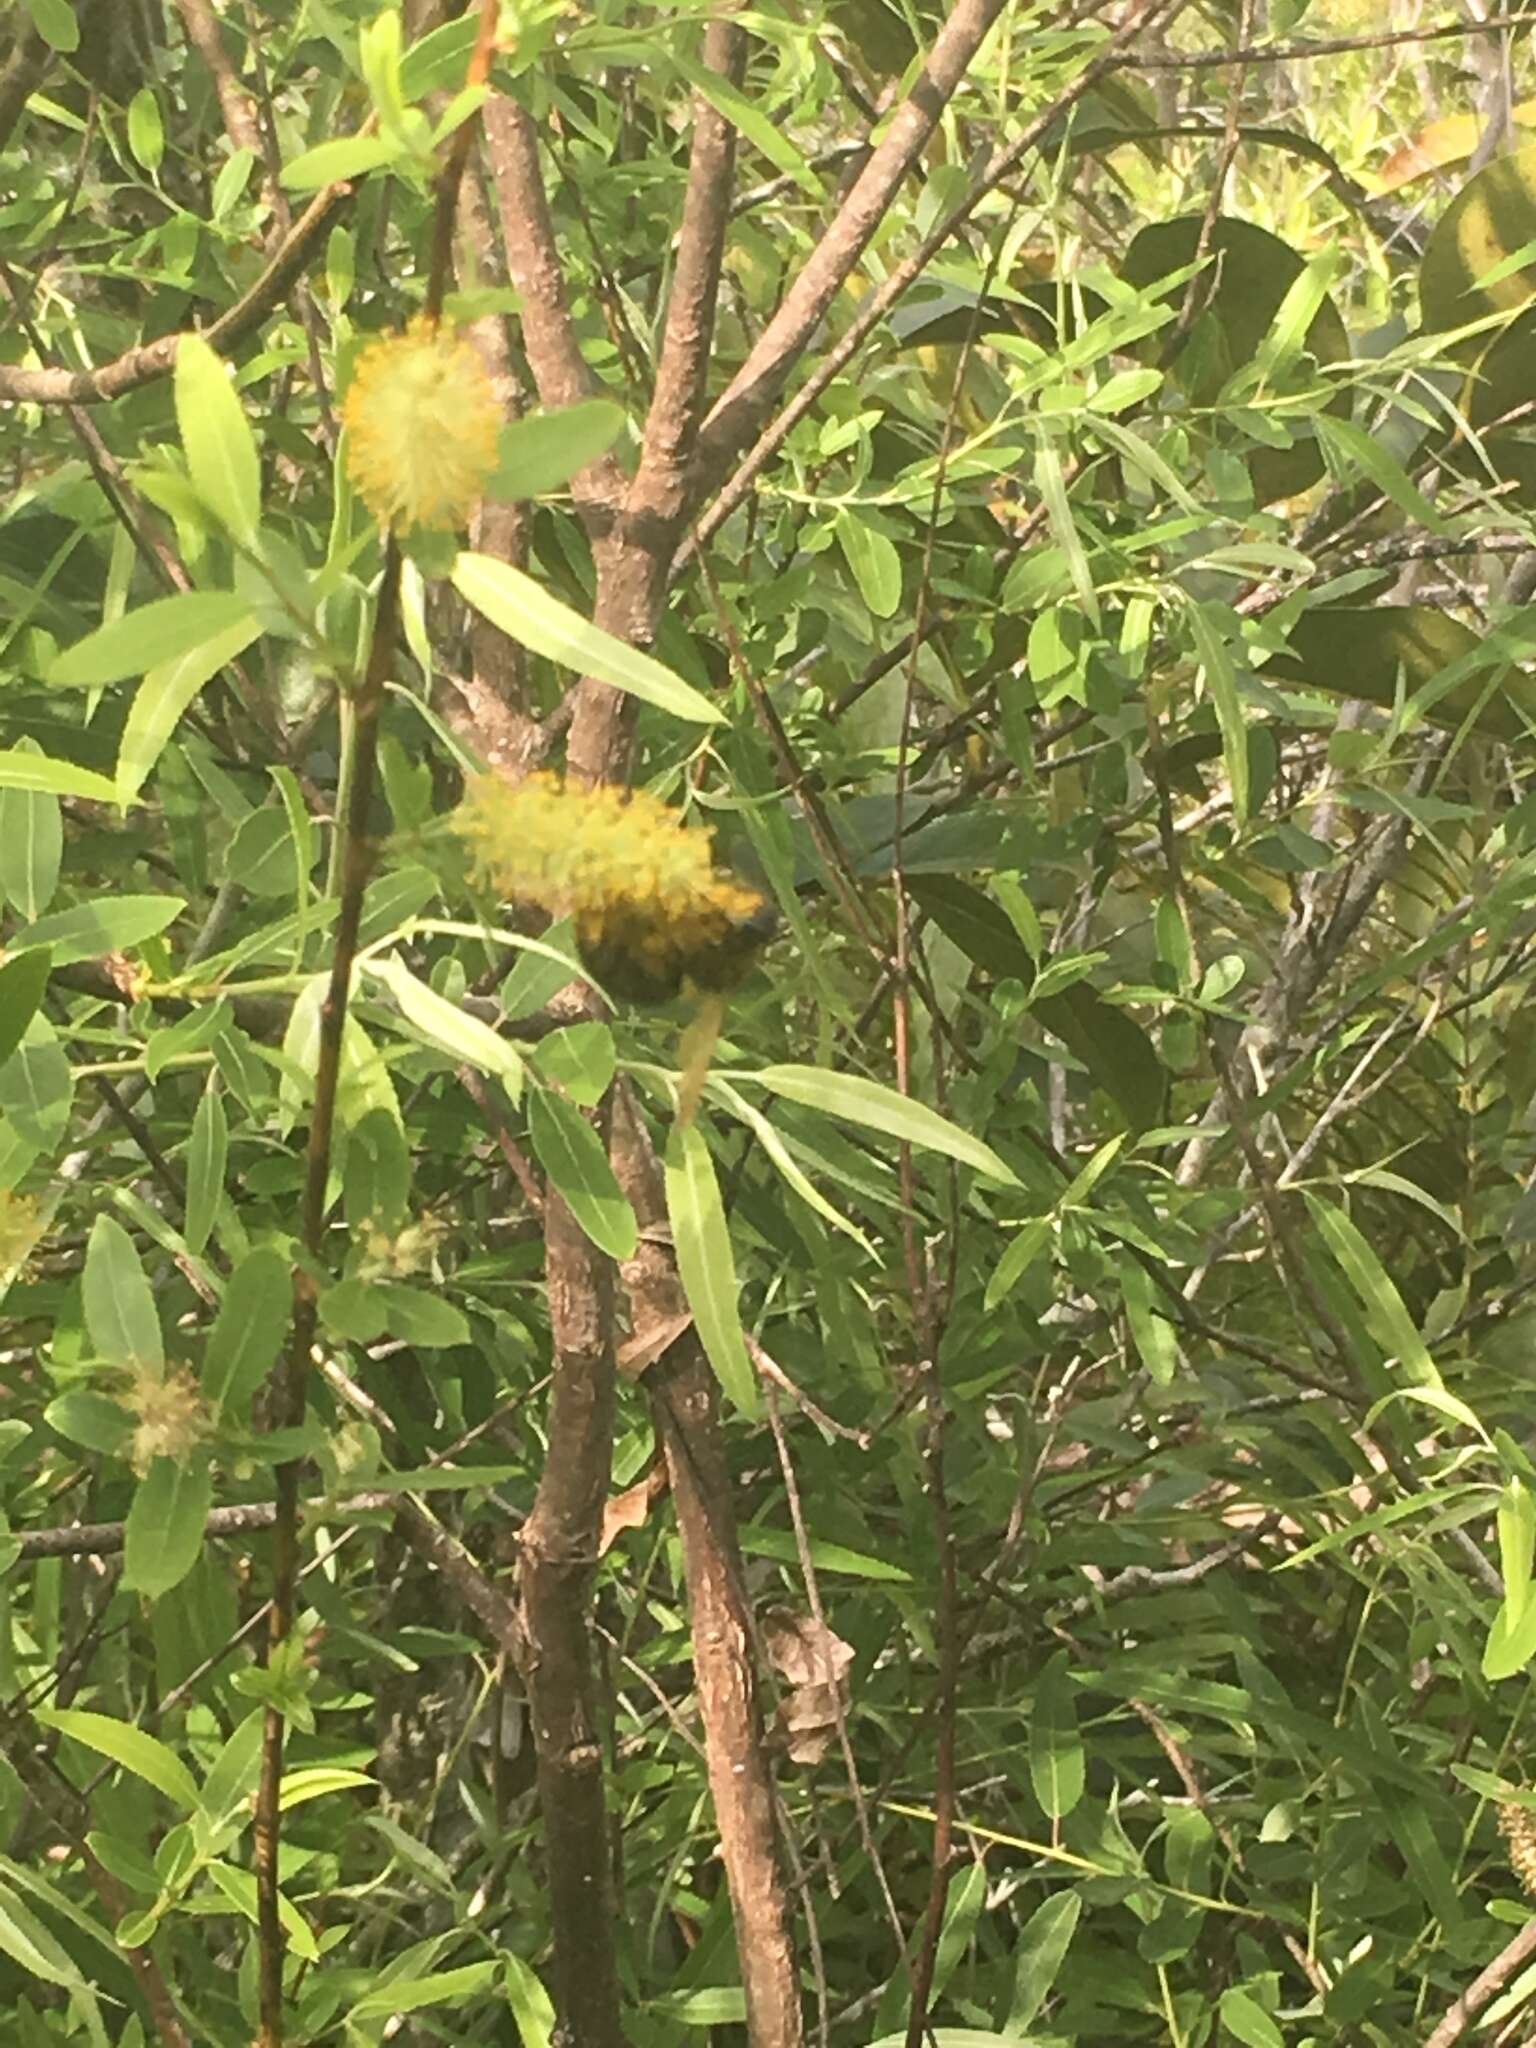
<point x="1217" y="1107"/>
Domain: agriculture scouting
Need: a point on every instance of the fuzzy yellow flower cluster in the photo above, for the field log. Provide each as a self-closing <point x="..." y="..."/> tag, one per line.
<point x="21" y="1225"/>
<point x="423" y="427"/>
<point x="170" y="1416"/>
<point x="651" y="910"/>
<point x="1517" y="1824"/>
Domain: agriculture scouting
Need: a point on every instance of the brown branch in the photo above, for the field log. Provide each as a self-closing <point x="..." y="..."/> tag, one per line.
<point x="634" y="556"/>
<point x="105" y="1539"/>
<point x="560" y="371"/>
<point x="495" y="717"/>
<point x="23" y="73"/>
<point x="672" y="423"/>
<point x="726" y="431"/>
<point x="451" y="177"/>
<point x="558" y="1558"/>
<point x="1516" y="1951"/>
<point x="480" y="1594"/>
<point x="152" y="359"/>
<point x="64" y="1806"/>
<point x="292" y="1377"/>
<point x="202" y="27"/>
<point x="1329" y="46"/>
<point x="681" y="1388"/>
<point x="744" y="404"/>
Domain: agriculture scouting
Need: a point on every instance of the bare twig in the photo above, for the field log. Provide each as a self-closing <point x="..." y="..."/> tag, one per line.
<point x="1321" y="46"/>
<point x="1517" y="1951"/>
<point x="202" y="27"/>
<point x="292" y="1378"/>
<point x="681" y="1388"/>
<point x="744" y="405"/>
<point x="558" y="1558"/>
<point x="153" y="359"/>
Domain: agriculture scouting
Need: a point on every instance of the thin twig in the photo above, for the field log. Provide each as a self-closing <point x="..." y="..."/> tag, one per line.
<point x="292" y="1379"/>
<point x="1515" y="1952"/>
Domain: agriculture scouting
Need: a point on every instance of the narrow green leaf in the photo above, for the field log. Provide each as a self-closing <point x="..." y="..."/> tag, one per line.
<point x="220" y="448"/>
<point x="962" y="1909"/>
<point x="239" y="1887"/>
<point x="532" y="2007"/>
<point x="143" y="639"/>
<point x="1056" y="1763"/>
<point x="25" y="1939"/>
<point x="1220" y="672"/>
<point x="22" y="982"/>
<point x="233" y="1773"/>
<point x="1248" y="2022"/>
<point x="860" y="1101"/>
<point x="779" y="1154"/>
<point x="780" y="1544"/>
<point x="165" y="1525"/>
<point x="417" y="1317"/>
<point x="1517" y="1536"/>
<point x="20" y="770"/>
<point x="1391" y="1324"/>
<point x="252" y="1323"/>
<point x="572" y="1154"/>
<point x="1511" y="1642"/>
<point x="111" y="924"/>
<point x="705" y="1264"/>
<point x="56" y="23"/>
<point x="1051" y="483"/>
<point x="328" y="163"/>
<point x="525" y="611"/>
<point x="750" y="121"/>
<point x="1043" y="1943"/>
<point x="31" y="845"/>
<point x="207" y="1150"/>
<point x="444" y="1025"/>
<point x="133" y="1748"/>
<point x="874" y="560"/>
<point x="410" y="1994"/>
<point x="120" y="1314"/>
<point x="163" y="697"/>
<point x="1157" y="1343"/>
<point x="37" y="1087"/>
<point x="146" y="131"/>
<point x="317" y="1782"/>
<point x="1353" y="453"/>
<point x="1018" y="1257"/>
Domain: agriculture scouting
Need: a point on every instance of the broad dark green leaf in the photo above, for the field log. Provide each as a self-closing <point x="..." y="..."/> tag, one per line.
<point x="120" y="1314"/>
<point x="165" y="1525"/>
<point x="249" y="1330"/>
<point x="207" y="1151"/>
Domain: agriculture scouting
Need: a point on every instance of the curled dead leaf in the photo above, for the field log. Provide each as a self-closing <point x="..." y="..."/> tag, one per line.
<point x="629" y="1509"/>
<point x="814" y="1665"/>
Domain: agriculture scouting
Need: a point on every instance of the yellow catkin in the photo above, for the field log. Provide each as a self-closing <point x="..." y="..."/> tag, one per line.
<point x="651" y="910"/>
<point x="21" y="1225"/>
<point x="423" y="427"/>
<point x="1517" y="1824"/>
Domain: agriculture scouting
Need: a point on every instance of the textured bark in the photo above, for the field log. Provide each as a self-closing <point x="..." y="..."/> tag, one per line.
<point x="681" y="1388"/>
<point x="557" y="1562"/>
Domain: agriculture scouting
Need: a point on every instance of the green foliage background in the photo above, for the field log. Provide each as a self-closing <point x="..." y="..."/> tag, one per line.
<point x="1206" y="791"/>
